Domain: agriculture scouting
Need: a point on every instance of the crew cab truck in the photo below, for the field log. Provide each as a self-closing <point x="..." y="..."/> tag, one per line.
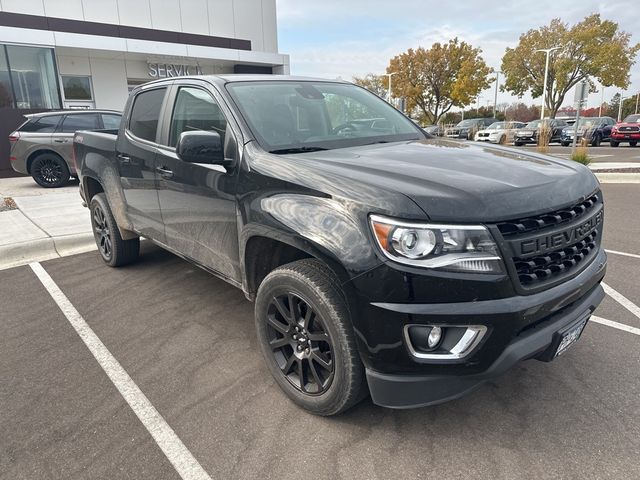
<point x="381" y="260"/>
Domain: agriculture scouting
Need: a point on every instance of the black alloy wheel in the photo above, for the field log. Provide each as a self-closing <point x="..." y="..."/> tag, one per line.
<point x="49" y="171"/>
<point x="102" y="232"/>
<point x="300" y="343"/>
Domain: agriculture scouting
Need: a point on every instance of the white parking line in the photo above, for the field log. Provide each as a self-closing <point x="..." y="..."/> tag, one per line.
<point x="615" y="252"/>
<point x="180" y="457"/>
<point x="619" y="326"/>
<point x="622" y="300"/>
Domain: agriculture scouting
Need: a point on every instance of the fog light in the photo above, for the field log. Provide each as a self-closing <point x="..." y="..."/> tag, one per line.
<point x="434" y="337"/>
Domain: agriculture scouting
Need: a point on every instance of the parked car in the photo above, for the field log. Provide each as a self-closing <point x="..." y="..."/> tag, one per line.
<point x="594" y="129"/>
<point x="380" y="261"/>
<point x="467" y="128"/>
<point x="499" y="132"/>
<point x="626" y="131"/>
<point x="530" y="133"/>
<point x="42" y="146"/>
<point x="435" y="130"/>
<point x="568" y="120"/>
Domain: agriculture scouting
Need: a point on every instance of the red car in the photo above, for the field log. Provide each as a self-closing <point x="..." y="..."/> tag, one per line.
<point x="626" y="131"/>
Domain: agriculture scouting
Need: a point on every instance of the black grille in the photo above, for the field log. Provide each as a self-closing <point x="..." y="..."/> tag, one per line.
<point x="544" y="267"/>
<point x="629" y="129"/>
<point x="532" y="224"/>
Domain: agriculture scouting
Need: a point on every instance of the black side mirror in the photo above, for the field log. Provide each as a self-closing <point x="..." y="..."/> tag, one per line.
<point x="201" y="147"/>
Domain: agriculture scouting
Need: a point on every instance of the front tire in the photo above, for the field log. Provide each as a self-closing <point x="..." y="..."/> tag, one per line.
<point x="597" y="139"/>
<point x="49" y="170"/>
<point x="613" y="143"/>
<point x="565" y="144"/>
<point x="115" y="251"/>
<point x="633" y="144"/>
<point x="305" y="334"/>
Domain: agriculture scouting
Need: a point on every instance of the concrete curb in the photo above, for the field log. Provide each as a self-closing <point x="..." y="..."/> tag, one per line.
<point x="23" y="253"/>
<point x="617" y="177"/>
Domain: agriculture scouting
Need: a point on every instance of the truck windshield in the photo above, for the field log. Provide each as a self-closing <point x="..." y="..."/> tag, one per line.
<point x="291" y="116"/>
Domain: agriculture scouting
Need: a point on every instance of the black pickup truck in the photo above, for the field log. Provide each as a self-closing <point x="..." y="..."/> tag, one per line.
<point x="381" y="260"/>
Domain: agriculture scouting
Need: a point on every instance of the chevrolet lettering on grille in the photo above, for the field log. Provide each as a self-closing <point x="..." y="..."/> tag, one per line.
<point x="557" y="240"/>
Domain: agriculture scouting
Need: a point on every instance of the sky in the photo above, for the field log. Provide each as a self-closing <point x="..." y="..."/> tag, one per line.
<point x="346" y="38"/>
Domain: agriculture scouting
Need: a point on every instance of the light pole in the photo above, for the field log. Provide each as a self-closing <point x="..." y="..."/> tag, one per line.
<point x="620" y="108"/>
<point x="546" y="73"/>
<point x="637" y="97"/>
<point x="495" y="95"/>
<point x="601" y="100"/>
<point x="389" y="75"/>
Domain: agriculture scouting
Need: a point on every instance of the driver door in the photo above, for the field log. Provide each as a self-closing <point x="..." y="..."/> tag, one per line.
<point x="197" y="200"/>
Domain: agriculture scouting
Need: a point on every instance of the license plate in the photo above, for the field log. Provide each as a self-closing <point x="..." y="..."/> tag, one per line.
<point x="570" y="337"/>
<point x="627" y="136"/>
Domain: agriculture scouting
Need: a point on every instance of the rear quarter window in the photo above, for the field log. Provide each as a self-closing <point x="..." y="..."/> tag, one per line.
<point x="46" y="124"/>
<point x="80" y="121"/>
<point x="145" y="114"/>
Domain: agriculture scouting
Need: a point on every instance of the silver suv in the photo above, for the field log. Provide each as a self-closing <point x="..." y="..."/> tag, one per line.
<point x="43" y="145"/>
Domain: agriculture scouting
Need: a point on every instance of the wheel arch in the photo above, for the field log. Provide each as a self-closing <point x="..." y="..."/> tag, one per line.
<point x="281" y="250"/>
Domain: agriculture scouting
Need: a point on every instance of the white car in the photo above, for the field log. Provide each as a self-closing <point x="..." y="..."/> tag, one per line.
<point x="499" y="132"/>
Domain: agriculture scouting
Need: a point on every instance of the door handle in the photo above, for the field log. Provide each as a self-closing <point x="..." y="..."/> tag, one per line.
<point x="125" y="160"/>
<point x="164" y="172"/>
<point x="60" y="140"/>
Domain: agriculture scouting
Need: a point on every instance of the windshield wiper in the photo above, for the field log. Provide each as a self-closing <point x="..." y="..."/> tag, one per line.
<point x="284" y="151"/>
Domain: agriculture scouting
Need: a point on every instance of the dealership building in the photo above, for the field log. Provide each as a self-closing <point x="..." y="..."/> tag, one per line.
<point x="90" y="53"/>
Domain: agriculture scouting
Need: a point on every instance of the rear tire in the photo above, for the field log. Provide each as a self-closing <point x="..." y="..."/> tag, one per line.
<point x="49" y="170"/>
<point x="304" y="331"/>
<point x="115" y="251"/>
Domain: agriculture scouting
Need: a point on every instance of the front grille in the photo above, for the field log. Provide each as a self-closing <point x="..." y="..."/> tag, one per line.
<point x="531" y="224"/>
<point x="544" y="267"/>
<point x="629" y="129"/>
<point x="549" y="255"/>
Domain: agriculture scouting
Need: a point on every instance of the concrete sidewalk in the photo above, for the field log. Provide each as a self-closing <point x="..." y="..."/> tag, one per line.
<point x="47" y="223"/>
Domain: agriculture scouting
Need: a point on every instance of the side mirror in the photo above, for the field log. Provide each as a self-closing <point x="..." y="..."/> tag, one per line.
<point x="201" y="147"/>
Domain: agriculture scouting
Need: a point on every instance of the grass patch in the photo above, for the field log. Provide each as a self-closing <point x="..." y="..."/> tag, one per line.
<point x="581" y="155"/>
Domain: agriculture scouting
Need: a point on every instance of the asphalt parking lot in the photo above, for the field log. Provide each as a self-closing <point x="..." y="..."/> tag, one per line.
<point x="603" y="153"/>
<point x="187" y="341"/>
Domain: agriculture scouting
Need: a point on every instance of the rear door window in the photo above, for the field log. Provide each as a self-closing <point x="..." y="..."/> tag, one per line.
<point x="145" y="114"/>
<point x="80" y="121"/>
<point x="111" y="122"/>
<point x="46" y="124"/>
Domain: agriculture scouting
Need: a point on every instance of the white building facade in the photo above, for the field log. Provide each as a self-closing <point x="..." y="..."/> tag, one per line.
<point x="90" y="53"/>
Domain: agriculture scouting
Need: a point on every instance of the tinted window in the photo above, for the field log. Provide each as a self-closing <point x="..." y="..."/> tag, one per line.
<point x="42" y="125"/>
<point x="146" y="113"/>
<point x="84" y="121"/>
<point x="195" y="110"/>
<point x="77" y="88"/>
<point x="111" y="122"/>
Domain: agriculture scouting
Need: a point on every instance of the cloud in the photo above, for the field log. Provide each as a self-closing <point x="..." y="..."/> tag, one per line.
<point x="352" y="38"/>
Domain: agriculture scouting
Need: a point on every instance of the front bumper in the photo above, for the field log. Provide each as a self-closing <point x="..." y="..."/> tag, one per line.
<point x="518" y="327"/>
<point x="408" y="391"/>
<point x="625" y="137"/>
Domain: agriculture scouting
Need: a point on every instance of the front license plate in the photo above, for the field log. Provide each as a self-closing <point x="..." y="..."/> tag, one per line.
<point x="627" y="136"/>
<point x="570" y="337"/>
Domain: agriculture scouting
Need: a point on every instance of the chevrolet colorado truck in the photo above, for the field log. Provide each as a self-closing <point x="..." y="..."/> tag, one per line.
<point x="381" y="260"/>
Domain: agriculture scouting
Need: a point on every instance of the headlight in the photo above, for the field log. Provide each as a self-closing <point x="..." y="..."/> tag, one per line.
<point x="454" y="248"/>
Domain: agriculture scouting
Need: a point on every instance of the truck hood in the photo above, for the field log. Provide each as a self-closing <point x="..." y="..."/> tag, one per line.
<point x="453" y="181"/>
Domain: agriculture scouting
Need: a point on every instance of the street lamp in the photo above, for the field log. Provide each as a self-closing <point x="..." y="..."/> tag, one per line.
<point x="620" y="107"/>
<point x="495" y="96"/>
<point x="389" y="86"/>
<point x="546" y="73"/>
<point x="637" y="98"/>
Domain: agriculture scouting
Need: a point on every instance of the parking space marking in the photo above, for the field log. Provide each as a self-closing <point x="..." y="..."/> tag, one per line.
<point x="622" y="300"/>
<point x="615" y="252"/>
<point x="176" y="452"/>
<point x="619" y="326"/>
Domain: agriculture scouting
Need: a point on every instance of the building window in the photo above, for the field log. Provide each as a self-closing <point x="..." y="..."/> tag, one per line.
<point x="6" y="93"/>
<point x="32" y="77"/>
<point x="77" y="88"/>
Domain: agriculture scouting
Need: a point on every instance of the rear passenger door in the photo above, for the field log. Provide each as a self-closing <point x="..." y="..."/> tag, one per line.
<point x="136" y="150"/>
<point x="62" y="139"/>
<point x="198" y="200"/>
